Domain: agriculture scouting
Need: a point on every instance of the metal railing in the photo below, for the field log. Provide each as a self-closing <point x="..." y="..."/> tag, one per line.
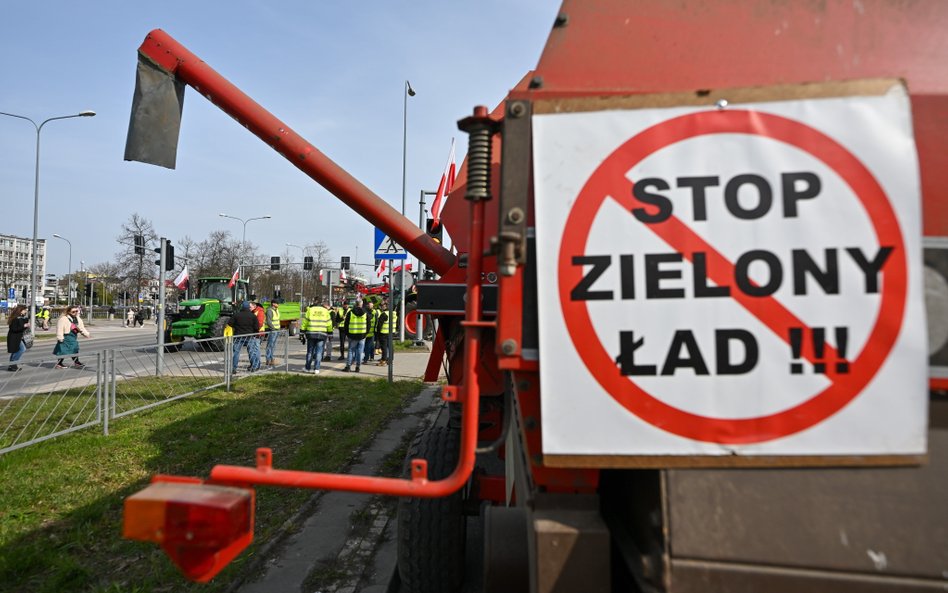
<point x="41" y="402"/>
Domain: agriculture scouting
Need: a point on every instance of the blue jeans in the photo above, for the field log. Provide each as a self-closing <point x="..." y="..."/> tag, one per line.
<point x="271" y="343"/>
<point x="355" y="351"/>
<point x="369" y="349"/>
<point x="15" y="356"/>
<point x="253" y="351"/>
<point x="314" y="350"/>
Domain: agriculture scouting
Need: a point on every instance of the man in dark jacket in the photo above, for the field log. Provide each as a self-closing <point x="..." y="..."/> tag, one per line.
<point x="339" y="322"/>
<point x="245" y="326"/>
<point x="356" y="326"/>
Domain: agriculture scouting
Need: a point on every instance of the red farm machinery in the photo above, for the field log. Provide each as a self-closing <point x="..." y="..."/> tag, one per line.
<point x="685" y="332"/>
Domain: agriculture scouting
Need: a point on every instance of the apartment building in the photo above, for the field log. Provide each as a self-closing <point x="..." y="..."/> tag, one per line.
<point x="16" y="258"/>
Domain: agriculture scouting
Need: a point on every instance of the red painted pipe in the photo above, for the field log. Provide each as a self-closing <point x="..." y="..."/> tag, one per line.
<point x="161" y="49"/>
<point x="419" y="485"/>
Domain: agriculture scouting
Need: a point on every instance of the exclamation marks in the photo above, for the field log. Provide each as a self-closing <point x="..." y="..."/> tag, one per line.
<point x="796" y="348"/>
<point x="842" y="339"/>
<point x="818" y="343"/>
<point x="819" y="350"/>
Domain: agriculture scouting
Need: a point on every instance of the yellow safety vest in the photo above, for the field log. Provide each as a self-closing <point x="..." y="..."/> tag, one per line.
<point x="318" y="319"/>
<point x="274" y="318"/>
<point x="390" y="325"/>
<point x="373" y="321"/>
<point x="357" y="323"/>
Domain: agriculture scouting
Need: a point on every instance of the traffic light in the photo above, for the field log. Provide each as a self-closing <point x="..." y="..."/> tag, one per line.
<point x="275" y="263"/>
<point x="308" y="262"/>
<point x="88" y="290"/>
<point x="169" y="255"/>
<point x="434" y="229"/>
<point x="139" y="244"/>
<point x="345" y="262"/>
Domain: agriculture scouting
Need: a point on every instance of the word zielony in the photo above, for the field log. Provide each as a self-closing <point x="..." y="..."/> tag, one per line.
<point x="664" y="272"/>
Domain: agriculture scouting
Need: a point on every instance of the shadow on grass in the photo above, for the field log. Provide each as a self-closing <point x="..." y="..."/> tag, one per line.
<point x="60" y="522"/>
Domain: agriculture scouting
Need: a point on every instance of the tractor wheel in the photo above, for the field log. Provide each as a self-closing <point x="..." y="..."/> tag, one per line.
<point x="217" y="331"/>
<point x="169" y="345"/>
<point x="431" y="531"/>
<point x="293" y="328"/>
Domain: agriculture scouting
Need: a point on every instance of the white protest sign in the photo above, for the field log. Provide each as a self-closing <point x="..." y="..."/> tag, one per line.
<point x="744" y="280"/>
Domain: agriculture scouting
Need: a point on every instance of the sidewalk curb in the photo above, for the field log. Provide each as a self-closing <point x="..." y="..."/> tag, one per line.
<point x="321" y="529"/>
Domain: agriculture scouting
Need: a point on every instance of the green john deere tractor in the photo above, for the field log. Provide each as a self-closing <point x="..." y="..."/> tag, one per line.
<point x="207" y="315"/>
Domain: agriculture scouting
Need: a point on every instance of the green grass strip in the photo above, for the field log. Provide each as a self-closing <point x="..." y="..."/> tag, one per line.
<point x="60" y="515"/>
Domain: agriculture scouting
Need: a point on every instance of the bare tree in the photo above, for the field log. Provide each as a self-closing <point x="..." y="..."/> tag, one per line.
<point x="216" y="255"/>
<point x="134" y="267"/>
<point x="109" y="274"/>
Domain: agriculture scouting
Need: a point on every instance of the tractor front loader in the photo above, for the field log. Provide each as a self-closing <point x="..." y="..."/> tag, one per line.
<point x="685" y="333"/>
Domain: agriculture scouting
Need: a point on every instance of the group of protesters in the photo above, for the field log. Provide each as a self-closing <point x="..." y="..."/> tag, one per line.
<point x="250" y="324"/>
<point x="363" y="331"/>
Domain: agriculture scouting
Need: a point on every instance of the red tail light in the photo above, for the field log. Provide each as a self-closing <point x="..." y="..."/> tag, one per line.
<point x="200" y="526"/>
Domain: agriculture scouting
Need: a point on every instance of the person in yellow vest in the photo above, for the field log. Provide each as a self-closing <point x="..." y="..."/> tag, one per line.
<point x="384" y="329"/>
<point x="317" y="323"/>
<point x="356" y="325"/>
<point x="370" y="334"/>
<point x="44" y="318"/>
<point x="271" y="323"/>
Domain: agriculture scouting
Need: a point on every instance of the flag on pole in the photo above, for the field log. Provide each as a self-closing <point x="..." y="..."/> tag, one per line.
<point x="380" y="271"/>
<point x="181" y="281"/>
<point x="444" y="188"/>
<point x="320" y="276"/>
<point x="234" y="278"/>
<point x="398" y="268"/>
<point x="342" y="275"/>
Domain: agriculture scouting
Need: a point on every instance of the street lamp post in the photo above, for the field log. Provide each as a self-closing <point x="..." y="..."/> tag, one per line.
<point x="33" y="270"/>
<point x="302" y="257"/>
<point x="409" y="92"/>
<point x="68" y="270"/>
<point x="243" y="238"/>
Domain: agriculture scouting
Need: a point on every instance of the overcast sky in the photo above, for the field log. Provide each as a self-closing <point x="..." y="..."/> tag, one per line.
<point x="333" y="71"/>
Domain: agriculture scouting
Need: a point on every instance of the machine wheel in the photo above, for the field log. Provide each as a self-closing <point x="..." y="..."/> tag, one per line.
<point x="217" y="331"/>
<point x="169" y="345"/>
<point x="293" y="328"/>
<point x="431" y="531"/>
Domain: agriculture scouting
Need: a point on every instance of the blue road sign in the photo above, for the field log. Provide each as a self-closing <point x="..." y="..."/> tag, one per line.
<point x="387" y="248"/>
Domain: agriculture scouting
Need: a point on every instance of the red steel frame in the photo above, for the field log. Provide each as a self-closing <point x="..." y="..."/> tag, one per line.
<point x="161" y="49"/>
<point x="468" y="393"/>
<point x="175" y="59"/>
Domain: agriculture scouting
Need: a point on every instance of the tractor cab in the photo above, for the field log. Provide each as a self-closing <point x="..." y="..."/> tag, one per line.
<point x="218" y="289"/>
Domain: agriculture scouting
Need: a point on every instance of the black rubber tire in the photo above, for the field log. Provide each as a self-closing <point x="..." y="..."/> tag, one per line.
<point x="217" y="331"/>
<point x="431" y="531"/>
<point x="169" y="345"/>
<point x="293" y="328"/>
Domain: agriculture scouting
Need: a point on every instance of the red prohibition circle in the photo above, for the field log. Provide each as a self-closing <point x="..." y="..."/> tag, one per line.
<point x="843" y="388"/>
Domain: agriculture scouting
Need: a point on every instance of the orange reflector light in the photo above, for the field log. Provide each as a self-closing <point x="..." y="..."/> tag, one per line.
<point x="201" y="527"/>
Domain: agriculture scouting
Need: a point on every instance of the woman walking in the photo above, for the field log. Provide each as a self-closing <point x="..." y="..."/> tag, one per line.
<point x="67" y="329"/>
<point x="18" y="322"/>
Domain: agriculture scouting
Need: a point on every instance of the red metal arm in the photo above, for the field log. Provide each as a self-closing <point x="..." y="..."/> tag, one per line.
<point x="418" y="485"/>
<point x="172" y="57"/>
